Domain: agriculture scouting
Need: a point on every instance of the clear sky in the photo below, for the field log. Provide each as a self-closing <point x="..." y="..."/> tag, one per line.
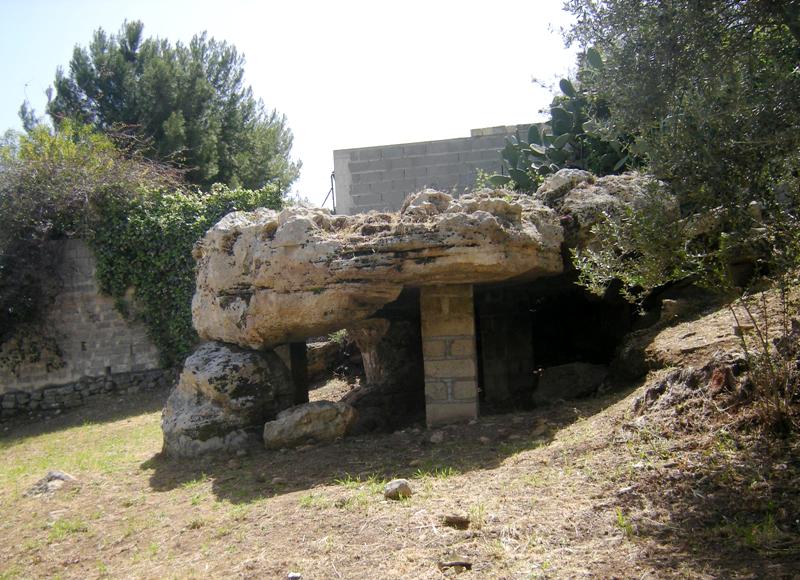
<point x="345" y="73"/>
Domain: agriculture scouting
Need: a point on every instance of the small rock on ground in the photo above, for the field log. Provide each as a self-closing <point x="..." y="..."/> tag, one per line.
<point x="397" y="489"/>
<point x="53" y="481"/>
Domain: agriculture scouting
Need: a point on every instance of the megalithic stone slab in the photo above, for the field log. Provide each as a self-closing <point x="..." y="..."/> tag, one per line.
<point x="267" y="278"/>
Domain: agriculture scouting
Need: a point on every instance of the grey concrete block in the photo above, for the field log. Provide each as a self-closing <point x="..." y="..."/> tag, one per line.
<point x="415" y="149"/>
<point x="403" y="185"/>
<point x="367" y="154"/>
<point x="480" y="155"/>
<point x="451" y="146"/>
<point x="441" y="170"/>
<point x="415" y="172"/>
<point x="371" y="165"/>
<point x="366" y="200"/>
<point x="443" y="159"/>
<point x="392" y="152"/>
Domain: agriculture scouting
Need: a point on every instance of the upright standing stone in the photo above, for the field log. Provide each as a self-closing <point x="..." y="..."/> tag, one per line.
<point x="224" y="395"/>
<point x="448" y="347"/>
<point x="367" y="335"/>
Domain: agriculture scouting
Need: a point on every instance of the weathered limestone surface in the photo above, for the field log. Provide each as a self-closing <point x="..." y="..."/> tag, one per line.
<point x="266" y="278"/>
<point x="581" y="199"/>
<point x="323" y="357"/>
<point x="317" y="422"/>
<point x="223" y="395"/>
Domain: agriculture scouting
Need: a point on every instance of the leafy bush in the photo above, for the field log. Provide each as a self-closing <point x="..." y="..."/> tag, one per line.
<point x="146" y="242"/>
<point x="772" y="354"/>
<point x="642" y="247"/>
<point x="707" y="95"/>
<point x="139" y="219"/>
<point x="708" y="89"/>
<point x="49" y="188"/>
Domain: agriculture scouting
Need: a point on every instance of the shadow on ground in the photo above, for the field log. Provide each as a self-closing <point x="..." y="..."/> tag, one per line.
<point x="407" y="453"/>
<point x="717" y="492"/>
<point x="735" y="514"/>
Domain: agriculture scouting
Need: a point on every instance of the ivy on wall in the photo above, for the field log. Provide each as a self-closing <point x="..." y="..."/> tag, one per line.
<point x="137" y="215"/>
<point x="145" y="243"/>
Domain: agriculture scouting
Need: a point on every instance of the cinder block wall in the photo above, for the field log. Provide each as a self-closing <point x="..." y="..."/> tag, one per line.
<point x="380" y="178"/>
<point x="92" y="336"/>
<point x="448" y="350"/>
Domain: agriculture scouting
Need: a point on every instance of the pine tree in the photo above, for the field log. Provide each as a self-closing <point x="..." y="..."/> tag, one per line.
<point x="184" y="103"/>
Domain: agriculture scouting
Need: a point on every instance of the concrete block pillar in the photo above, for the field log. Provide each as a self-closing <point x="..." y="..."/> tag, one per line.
<point x="449" y="353"/>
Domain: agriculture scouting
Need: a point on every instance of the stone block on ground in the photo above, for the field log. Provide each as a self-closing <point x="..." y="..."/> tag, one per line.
<point x="323" y="358"/>
<point x="317" y="422"/>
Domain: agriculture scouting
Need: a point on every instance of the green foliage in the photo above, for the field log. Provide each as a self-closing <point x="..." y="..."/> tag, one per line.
<point x="49" y="187"/>
<point x="339" y="337"/>
<point x="65" y="527"/>
<point x="139" y="220"/>
<point x="643" y="247"/>
<point x="186" y="104"/>
<point x="770" y="345"/>
<point x="570" y="139"/>
<point x="709" y="89"/>
<point x="146" y="243"/>
<point x="623" y="522"/>
<point x="707" y="93"/>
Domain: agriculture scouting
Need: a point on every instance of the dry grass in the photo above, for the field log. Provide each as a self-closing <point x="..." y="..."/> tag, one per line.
<point x="579" y="489"/>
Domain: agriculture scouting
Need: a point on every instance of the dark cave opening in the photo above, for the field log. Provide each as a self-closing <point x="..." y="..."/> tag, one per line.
<point x="544" y="340"/>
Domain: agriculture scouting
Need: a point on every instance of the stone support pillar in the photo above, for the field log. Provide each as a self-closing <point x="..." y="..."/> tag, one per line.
<point x="367" y="335"/>
<point x="448" y="347"/>
<point x="298" y="357"/>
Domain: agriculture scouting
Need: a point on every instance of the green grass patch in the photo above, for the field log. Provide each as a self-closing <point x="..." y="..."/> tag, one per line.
<point x="63" y="528"/>
<point x="373" y="482"/>
<point x="443" y="472"/>
<point x="89" y="448"/>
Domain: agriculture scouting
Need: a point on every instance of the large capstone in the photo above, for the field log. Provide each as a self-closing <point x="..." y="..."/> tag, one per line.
<point x="223" y="398"/>
<point x="267" y="278"/>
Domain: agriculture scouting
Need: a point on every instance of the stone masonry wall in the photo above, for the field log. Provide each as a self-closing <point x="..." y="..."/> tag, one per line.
<point x="93" y="340"/>
<point x="381" y="177"/>
<point x="448" y="349"/>
<point x="53" y="399"/>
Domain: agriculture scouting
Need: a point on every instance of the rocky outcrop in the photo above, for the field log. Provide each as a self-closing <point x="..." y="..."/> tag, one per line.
<point x="266" y="278"/>
<point x="581" y="199"/>
<point x="323" y="358"/>
<point x="223" y="396"/>
<point x="317" y="422"/>
<point x="269" y="278"/>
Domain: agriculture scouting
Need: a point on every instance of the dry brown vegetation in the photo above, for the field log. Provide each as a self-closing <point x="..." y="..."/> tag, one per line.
<point x="687" y="485"/>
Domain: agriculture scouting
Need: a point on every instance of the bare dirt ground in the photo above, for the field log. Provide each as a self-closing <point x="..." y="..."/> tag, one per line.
<point x="688" y="487"/>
